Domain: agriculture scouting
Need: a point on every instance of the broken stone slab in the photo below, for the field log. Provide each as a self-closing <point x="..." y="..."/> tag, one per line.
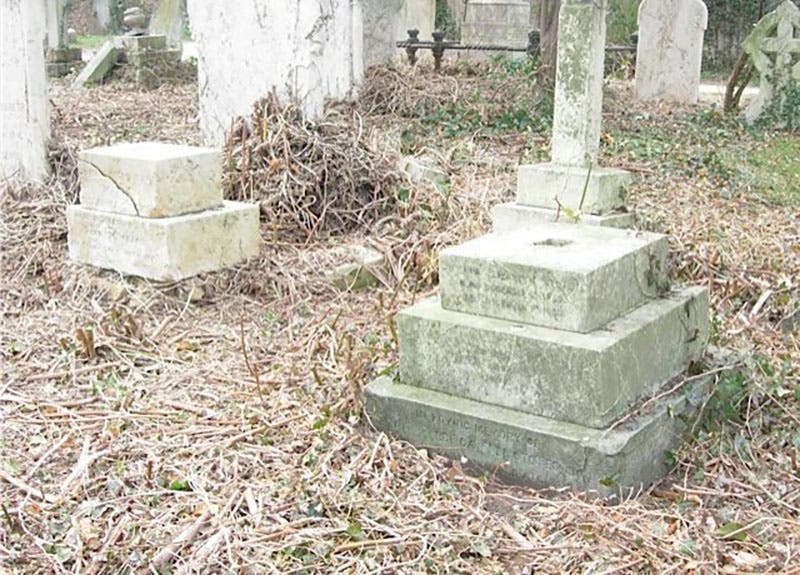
<point x="99" y="66"/>
<point x="510" y="217"/>
<point x="555" y="275"/>
<point x="423" y="170"/>
<point x="150" y="179"/>
<point x="360" y="272"/>
<point x="164" y="249"/>
<point x="536" y="450"/>
<point x="593" y="190"/>
<point x="590" y="379"/>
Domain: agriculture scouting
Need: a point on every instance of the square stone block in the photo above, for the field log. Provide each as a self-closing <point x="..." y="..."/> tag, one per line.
<point x="512" y="216"/>
<point x="589" y="379"/>
<point x="151" y="179"/>
<point x="535" y="450"/>
<point x="602" y="190"/>
<point x="164" y="248"/>
<point x="567" y="277"/>
<point x="64" y="55"/>
<point x="141" y="43"/>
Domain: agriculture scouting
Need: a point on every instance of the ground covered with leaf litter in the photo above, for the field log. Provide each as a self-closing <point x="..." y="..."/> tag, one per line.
<point x="216" y="424"/>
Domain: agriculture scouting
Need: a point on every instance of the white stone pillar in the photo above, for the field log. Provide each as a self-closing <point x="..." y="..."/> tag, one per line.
<point x="579" y="82"/>
<point x="24" y="121"/>
<point x="309" y="50"/>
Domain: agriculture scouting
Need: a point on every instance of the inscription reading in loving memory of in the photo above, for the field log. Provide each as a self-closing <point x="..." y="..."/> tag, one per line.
<point x="495" y="444"/>
<point x="482" y="285"/>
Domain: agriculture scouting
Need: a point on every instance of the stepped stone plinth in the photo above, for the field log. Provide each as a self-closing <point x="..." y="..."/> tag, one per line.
<point x="555" y="353"/>
<point x="156" y="211"/>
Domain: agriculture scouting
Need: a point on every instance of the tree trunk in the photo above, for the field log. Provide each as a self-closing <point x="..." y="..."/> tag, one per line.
<point x="549" y="42"/>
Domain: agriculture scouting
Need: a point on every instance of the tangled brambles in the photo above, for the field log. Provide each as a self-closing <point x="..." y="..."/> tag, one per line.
<point x="323" y="177"/>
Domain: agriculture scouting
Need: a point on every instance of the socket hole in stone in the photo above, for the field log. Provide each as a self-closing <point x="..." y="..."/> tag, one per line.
<point x="553" y="243"/>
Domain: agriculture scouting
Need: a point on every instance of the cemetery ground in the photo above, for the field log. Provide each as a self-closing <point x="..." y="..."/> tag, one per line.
<point x="216" y="424"/>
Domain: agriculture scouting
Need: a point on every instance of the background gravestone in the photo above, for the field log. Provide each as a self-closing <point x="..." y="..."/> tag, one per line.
<point x="167" y="21"/>
<point x="670" y="54"/>
<point x="24" y="119"/>
<point x="774" y="47"/>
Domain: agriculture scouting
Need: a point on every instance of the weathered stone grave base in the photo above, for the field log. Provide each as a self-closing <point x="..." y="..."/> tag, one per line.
<point x="512" y="217"/>
<point x="152" y="61"/>
<point x="536" y="450"/>
<point x="591" y="190"/>
<point x="589" y="378"/>
<point x="171" y="248"/>
<point x="63" y="61"/>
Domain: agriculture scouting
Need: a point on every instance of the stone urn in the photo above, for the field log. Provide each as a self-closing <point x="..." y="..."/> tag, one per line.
<point x="134" y="20"/>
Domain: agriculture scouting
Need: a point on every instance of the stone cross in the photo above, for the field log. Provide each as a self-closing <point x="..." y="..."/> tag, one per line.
<point x="24" y="121"/>
<point x="774" y="46"/>
<point x="670" y="52"/>
<point x="579" y="82"/>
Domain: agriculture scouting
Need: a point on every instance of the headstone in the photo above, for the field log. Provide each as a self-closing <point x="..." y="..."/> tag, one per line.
<point x="774" y="47"/>
<point x="156" y="211"/>
<point x="381" y="20"/>
<point x="572" y="187"/>
<point x="546" y="340"/>
<point x="496" y="23"/>
<point x="670" y="52"/>
<point x="168" y="21"/>
<point x="24" y="119"/>
<point x="308" y="50"/>
<point x="104" y="15"/>
<point x="417" y="15"/>
<point x="61" y="59"/>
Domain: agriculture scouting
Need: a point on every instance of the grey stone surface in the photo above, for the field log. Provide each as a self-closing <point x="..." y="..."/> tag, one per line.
<point x="164" y="248"/>
<point x="510" y="217"/>
<point x="536" y="450"/>
<point x="167" y="21"/>
<point x="141" y="43"/>
<point x="360" y="271"/>
<point x="582" y="190"/>
<point x="499" y="22"/>
<point x="99" y="66"/>
<point x="578" y="99"/>
<point x="151" y="179"/>
<point x="590" y="379"/>
<point x="566" y="277"/>
<point x="65" y="55"/>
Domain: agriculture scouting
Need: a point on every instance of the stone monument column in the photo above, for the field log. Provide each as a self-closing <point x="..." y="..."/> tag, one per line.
<point x="24" y="119"/>
<point x="572" y="187"/>
<point x="546" y="338"/>
<point x="579" y="82"/>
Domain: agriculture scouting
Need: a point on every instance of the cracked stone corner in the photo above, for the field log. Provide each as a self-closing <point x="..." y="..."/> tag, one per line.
<point x="116" y="184"/>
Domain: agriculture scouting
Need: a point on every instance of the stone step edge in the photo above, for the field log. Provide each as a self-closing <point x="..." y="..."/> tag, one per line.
<point x="608" y="457"/>
<point x="511" y="216"/>
<point x="509" y="356"/>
